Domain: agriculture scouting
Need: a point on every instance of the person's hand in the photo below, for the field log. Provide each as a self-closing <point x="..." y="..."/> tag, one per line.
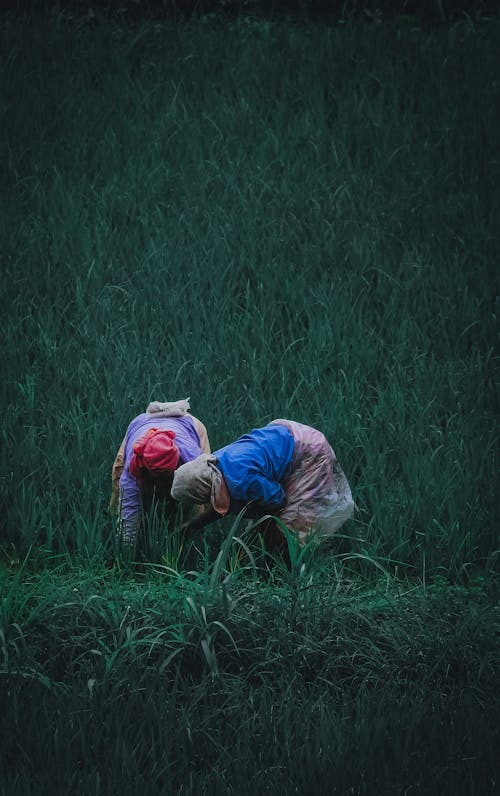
<point x="188" y="526"/>
<point x="199" y="522"/>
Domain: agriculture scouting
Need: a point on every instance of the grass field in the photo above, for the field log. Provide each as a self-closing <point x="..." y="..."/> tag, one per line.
<point x="278" y="220"/>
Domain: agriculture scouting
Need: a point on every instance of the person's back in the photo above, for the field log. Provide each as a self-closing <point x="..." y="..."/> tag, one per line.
<point x="255" y="464"/>
<point x="186" y="436"/>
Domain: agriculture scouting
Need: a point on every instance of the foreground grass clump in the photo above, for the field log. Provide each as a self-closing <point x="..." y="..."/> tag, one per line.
<point x="306" y="682"/>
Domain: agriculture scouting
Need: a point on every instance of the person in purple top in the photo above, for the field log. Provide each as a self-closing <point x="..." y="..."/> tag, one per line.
<point x="158" y="441"/>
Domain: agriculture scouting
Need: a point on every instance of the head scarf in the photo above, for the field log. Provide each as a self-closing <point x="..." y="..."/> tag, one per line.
<point x="155" y="452"/>
<point x="197" y="481"/>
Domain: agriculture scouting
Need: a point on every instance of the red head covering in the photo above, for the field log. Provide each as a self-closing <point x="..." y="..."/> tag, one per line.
<point x="155" y="452"/>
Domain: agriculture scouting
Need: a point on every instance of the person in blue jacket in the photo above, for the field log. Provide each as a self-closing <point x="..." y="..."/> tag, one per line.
<point x="285" y="469"/>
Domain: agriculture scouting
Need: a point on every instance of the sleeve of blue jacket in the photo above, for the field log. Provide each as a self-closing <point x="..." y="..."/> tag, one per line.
<point x="262" y="490"/>
<point x="255" y="465"/>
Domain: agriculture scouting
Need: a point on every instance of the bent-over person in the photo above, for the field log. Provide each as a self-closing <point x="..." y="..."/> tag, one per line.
<point x="157" y="442"/>
<point x="285" y="469"/>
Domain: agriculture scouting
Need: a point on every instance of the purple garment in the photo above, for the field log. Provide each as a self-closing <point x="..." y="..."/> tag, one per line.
<point x="186" y="439"/>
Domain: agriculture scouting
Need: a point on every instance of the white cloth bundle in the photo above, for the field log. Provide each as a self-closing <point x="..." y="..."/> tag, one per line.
<point x="169" y="408"/>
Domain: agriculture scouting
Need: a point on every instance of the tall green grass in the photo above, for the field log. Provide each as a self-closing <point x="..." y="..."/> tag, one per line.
<point x="279" y="221"/>
<point x="276" y="220"/>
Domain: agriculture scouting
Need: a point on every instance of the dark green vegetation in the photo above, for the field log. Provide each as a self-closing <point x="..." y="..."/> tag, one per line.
<point x="429" y="12"/>
<point x="214" y="684"/>
<point x="279" y="221"/>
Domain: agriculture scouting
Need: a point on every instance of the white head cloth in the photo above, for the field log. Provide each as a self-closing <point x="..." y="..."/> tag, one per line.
<point x="169" y="408"/>
<point x="197" y="481"/>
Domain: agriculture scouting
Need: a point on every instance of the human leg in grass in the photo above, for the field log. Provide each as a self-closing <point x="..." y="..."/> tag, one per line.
<point x="274" y="543"/>
<point x="156" y="442"/>
<point x="285" y="469"/>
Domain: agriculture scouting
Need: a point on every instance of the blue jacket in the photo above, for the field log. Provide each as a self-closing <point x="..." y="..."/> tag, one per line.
<point x="255" y="465"/>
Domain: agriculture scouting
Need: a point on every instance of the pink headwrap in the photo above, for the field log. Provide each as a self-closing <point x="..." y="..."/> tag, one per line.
<point x="155" y="452"/>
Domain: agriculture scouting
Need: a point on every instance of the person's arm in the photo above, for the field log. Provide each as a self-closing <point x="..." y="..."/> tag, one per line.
<point x="130" y="508"/>
<point x="202" y="435"/>
<point x="202" y="519"/>
<point x="116" y="473"/>
<point x="268" y="496"/>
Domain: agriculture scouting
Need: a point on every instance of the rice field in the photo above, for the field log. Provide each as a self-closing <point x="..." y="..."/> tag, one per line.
<point x="277" y="220"/>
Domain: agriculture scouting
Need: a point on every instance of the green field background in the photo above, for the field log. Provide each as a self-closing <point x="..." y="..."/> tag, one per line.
<point x="277" y="220"/>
